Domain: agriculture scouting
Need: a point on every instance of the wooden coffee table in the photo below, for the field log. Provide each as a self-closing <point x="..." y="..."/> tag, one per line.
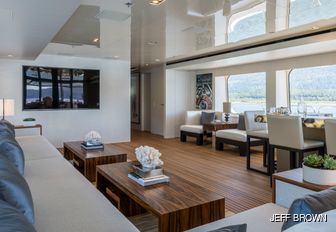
<point x="179" y="204"/>
<point x="86" y="161"/>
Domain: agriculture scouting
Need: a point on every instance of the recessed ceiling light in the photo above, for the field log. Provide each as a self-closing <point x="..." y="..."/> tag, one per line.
<point x="95" y="40"/>
<point x="157" y="60"/>
<point x="147" y="64"/>
<point x="156" y="2"/>
<point x="315" y="28"/>
<point x="116" y="57"/>
<point x="10" y="55"/>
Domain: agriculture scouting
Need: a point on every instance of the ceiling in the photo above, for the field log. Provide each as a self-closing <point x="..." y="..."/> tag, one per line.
<point x="28" y="26"/>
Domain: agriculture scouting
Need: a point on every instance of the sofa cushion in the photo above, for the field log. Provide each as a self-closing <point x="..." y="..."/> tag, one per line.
<point x="4" y="124"/>
<point x="12" y="151"/>
<point x="234" y="228"/>
<point x="316" y="203"/>
<point x="257" y="220"/>
<point x="241" y="122"/>
<point x="233" y="134"/>
<point x="197" y="129"/>
<point x="207" y="117"/>
<point x="12" y="220"/>
<point x="326" y="226"/>
<point x="15" y="190"/>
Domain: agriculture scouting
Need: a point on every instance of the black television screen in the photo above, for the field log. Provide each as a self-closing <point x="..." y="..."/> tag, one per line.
<point x="60" y="88"/>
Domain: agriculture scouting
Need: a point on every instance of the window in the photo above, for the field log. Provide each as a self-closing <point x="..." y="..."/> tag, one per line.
<point x="247" y="92"/>
<point x="308" y="11"/>
<point x="316" y="87"/>
<point x="247" y="23"/>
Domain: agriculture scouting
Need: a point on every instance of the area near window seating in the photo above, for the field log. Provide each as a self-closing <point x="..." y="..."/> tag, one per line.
<point x="167" y="115"/>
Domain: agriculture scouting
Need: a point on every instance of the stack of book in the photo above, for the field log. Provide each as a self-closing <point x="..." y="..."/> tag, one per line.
<point x="91" y="146"/>
<point x="149" y="180"/>
<point x="147" y="176"/>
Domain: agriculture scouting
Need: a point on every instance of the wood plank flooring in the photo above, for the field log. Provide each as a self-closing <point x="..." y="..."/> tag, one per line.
<point x="221" y="171"/>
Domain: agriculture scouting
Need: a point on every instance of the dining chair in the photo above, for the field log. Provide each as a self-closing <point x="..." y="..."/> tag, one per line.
<point x="286" y="133"/>
<point x="330" y="134"/>
<point x="256" y="130"/>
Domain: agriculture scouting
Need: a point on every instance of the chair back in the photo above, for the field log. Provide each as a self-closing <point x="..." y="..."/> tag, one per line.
<point x="285" y="131"/>
<point x="251" y="124"/>
<point x="330" y="134"/>
<point x="193" y="117"/>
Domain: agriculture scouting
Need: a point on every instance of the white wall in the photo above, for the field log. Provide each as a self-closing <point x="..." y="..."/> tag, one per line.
<point x="180" y="97"/>
<point x="112" y="121"/>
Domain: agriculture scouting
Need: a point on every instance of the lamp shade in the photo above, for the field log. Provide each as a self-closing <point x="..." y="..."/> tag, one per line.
<point x="7" y="107"/>
<point x="227" y="107"/>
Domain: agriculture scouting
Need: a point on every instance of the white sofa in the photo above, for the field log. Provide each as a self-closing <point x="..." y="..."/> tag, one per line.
<point x="193" y="127"/>
<point x="257" y="220"/>
<point x="64" y="200"/>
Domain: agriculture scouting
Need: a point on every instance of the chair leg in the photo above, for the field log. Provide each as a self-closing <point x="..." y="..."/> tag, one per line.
<point x="243" y="149"/>
<point x="248" y="153"/>
<point x="219" y="145"/>
<point x="292" y="160"/>
<point x="270" y="168"/>
<point x="199" y="140"/>
<point x="321" y="151"/>
<point x="183" y="137"/>
<point x="265" y="153"/>
<point x="301" y="155"/>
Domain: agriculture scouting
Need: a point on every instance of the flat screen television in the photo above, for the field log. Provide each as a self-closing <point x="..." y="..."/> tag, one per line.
<point x="60" y="88"/>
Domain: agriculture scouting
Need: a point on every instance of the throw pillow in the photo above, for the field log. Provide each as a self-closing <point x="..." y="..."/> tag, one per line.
<point x="241" y="122"/>
<point x="12" y="220"/>
<point x="233" y="228"/>
<point x="8" y="125"/>
<point x="15" y="190"/>
<point x="12" y="151"/>
<point x="316" y="203"/>
<point x="207" y="117"/>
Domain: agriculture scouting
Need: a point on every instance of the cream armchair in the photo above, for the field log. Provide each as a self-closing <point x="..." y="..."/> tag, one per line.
<point x="193" y="126"/>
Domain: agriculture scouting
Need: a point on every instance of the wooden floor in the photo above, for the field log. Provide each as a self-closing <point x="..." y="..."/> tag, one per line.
<point x="221" y="171"/>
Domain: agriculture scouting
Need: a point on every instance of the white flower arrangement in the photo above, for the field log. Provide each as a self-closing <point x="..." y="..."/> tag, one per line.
<point x="149" y="157"/>
<point x="93" y="137"/>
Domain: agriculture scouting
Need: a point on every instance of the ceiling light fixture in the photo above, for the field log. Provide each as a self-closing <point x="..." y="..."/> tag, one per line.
<point x="156" y="2"/>
<point x="95" y="40"/>
<point x="116" y="57"/>
<point x="10" y="55"/>
<point x="147" y="64"/>
<point x="157" y="60"/>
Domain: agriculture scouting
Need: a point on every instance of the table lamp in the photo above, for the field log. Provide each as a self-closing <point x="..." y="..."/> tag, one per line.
<point x="6" y="108"/>
<point x="227" y="110"/>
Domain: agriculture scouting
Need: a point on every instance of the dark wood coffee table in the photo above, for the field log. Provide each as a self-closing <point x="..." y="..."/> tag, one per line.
<point x="179" y="204"/>
<point x="86" y="161"/>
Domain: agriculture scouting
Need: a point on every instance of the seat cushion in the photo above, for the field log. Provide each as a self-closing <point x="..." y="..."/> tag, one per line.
<point x="197" y="129"/>
<point x="316" y="203"/>
<point x="233" y="134"/>
<point x="12" y="151"/>
<point x="257" y="220"/>
<point x="13" y="220"/>
<point x="258" y="133"/>
<point x="14" y="189"/>
<point x="207" y="117"/>
<point x="312" y="143"/>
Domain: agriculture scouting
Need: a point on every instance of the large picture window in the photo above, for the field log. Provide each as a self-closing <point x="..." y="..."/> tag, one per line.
<point x="308" y="11"/>
<point x="316" y="87"/>
<point x="247" y="92"/>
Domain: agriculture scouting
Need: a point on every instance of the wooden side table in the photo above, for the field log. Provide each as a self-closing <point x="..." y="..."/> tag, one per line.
<point x="20" y="127"/>
<point x="289" y="185"/>
<point x="85" y="161"/>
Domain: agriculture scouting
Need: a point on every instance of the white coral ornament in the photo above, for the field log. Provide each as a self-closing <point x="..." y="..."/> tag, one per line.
<point x="93" y="137"/>
<point x="149" y="157"/>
